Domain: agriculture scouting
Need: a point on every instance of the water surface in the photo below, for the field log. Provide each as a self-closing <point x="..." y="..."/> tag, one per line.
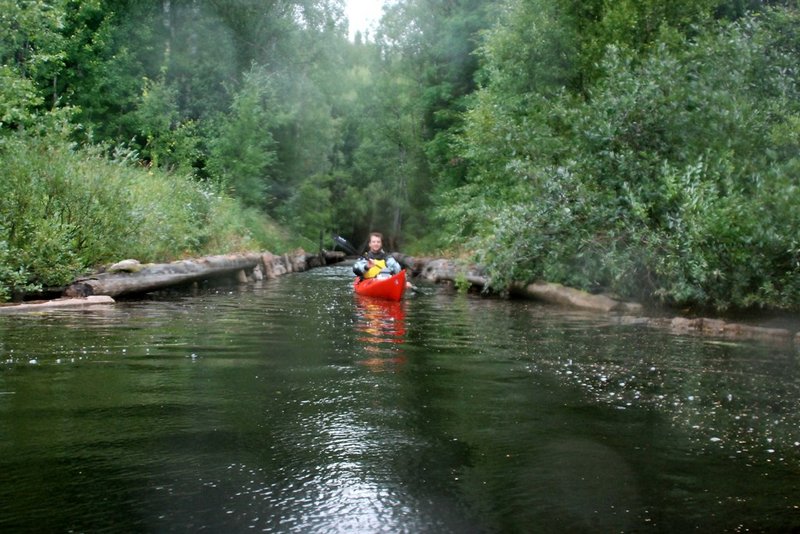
<point x="295" y="406"/>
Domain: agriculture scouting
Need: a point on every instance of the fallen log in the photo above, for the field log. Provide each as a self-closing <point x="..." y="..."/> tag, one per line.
<point x="159" y="276"/>
<point x="576" y="298"/>
<point x="130" y="277"/>
<point x="437" y="270"/>
<point x="443" y="270"/>
<point x="57" y="303"/>
<point x="719" y="328"/>
<point x="414" y="264"/>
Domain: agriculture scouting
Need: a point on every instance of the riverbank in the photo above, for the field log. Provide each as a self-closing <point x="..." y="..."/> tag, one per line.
<point x="628" y="313"/>
<point x="129" y="278"/>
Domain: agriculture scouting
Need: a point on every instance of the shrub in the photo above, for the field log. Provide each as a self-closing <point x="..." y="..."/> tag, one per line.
<point x="675" y="180"/>
<point x="65" y="210"/>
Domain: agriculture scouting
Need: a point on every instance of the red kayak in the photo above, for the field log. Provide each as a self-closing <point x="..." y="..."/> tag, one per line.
<point x="391" y="288"/>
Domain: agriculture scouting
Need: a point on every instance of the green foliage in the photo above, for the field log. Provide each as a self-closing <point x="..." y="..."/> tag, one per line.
<point x="310" y="210"/>
<point x="637" y="146"/>
<point x="230" y="227"/>
<point x="674" y="180"/>
<point x="305" y="130"/>
<point x="18" y="100"/>
<point x="65" y="210"/>
<point x="170" y="142"/>
<point x="13" y="276"/>
<point x="418" y="71"/>
<point x="50" y="201"/>
<point x="155" y="77"/>
<point x="30" y="56"/>
<point x="534" y="50"/>
<point x="30" y="42"/>
<point x="242" y="150"/>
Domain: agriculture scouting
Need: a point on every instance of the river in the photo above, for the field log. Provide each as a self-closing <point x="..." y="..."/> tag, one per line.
<point x="292" y="405"/>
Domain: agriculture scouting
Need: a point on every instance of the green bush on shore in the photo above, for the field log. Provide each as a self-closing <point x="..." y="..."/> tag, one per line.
<point x="673" y="179"/>
<point x="65" y="210"/>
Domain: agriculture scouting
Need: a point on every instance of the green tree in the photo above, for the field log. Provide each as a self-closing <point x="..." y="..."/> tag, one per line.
<point x="31" y="57"/>
<point x="242" y="151"/>
<point x="19" y="100"/>
<point x="420" y="69"/>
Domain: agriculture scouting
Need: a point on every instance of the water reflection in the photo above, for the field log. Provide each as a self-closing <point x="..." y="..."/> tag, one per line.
<point x="380" y="327"/>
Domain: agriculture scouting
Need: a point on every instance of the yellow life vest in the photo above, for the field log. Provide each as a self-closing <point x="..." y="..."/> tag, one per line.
<point x="373" y="271"/>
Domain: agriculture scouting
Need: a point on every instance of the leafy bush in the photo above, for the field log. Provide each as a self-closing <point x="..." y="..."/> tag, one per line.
<point x="676" y="179"/>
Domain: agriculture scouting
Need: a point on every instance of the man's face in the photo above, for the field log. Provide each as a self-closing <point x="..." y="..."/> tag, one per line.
<point x="375" y="243"/>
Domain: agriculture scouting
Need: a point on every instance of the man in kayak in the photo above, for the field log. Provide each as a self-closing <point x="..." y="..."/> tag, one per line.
<point x="375" y="261"/>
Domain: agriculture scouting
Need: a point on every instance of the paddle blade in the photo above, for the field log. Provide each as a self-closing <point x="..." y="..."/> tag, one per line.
<point x="346" y="246"/>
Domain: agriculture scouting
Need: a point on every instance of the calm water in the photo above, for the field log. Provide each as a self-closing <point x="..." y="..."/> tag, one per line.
<point x="294" y="406"/>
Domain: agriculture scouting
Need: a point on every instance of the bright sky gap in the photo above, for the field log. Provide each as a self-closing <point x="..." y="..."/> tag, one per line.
<point x="362" y="15"/>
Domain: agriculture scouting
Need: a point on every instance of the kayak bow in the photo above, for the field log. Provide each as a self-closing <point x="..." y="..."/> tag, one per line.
<point x="391" y="288"/>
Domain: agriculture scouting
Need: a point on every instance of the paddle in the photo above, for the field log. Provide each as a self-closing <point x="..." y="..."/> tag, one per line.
<point x="342" y="242"/>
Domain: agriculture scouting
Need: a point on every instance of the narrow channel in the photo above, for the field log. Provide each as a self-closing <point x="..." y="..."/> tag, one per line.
<point x="293" y="405"/>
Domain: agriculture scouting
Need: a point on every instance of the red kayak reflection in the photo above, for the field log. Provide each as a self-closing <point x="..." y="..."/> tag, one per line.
<point x="381" y="328"/>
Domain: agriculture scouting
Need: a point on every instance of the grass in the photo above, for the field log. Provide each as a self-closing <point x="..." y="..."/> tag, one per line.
<point x="65" y="210"/>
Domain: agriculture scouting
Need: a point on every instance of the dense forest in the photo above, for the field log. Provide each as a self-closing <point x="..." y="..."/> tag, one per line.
<point x="648" y="147"/>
